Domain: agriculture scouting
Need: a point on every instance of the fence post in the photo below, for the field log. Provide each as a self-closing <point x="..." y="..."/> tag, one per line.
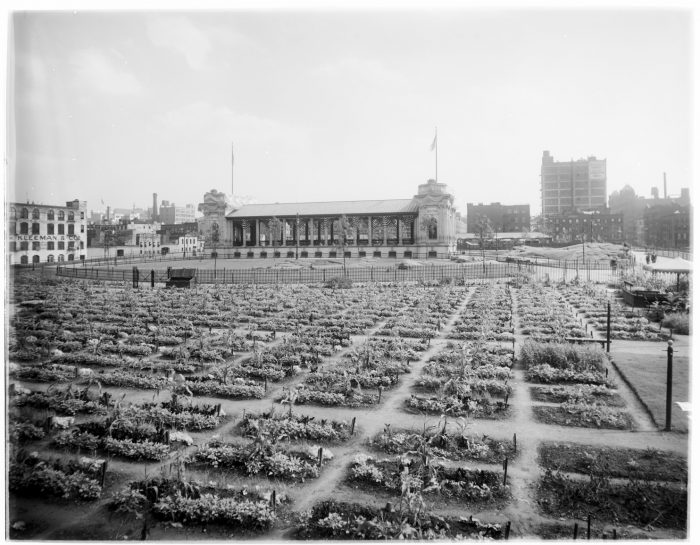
<point x="608" y="330"/>
<point x="669" y="384"/>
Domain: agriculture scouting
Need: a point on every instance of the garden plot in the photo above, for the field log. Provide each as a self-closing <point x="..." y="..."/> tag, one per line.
<point x="425" y="316"/>
<point x="577" y="382"/>
<point x="618" y="486"/>
<point x="241" y="463"/>
<point x="487" y="316"/>
<point x="338" y="520"/>
<point x="194" y="503"/>
<point x="592" y="302"/>
<point x="544" y="314"/>
<point x="465" y="380"/>
<point x="359" y="377"/>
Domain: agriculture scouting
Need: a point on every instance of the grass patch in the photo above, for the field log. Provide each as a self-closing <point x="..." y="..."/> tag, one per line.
<point x="645" y="370"/>
<point x="648" y="464"/>
<point x="584" y="416"/>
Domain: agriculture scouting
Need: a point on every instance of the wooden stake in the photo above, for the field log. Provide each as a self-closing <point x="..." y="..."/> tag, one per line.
<point x="352" y="426"/>
<point x="103" y="474"/>
<point x="507" y="534"/>
<point x="588" y="528"/>
<point x="505" y="470"/>
<point x="320" y="456"/>
<point x="575" y="530"/>
<point x="515" y="442"/>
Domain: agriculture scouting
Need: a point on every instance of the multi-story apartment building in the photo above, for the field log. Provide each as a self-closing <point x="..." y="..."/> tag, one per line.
<point x="572" y="185"/>
<point x="586" y="226"/>
<point x="40" y="233"/>
<point x="503" y="218"/>
<point x="667" y="225"/>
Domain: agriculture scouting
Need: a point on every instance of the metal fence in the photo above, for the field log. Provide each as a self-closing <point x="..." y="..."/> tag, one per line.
<point x="467" y="272"/>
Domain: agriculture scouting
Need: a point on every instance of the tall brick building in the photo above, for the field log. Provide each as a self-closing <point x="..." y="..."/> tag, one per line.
<point x="503" y="218"/>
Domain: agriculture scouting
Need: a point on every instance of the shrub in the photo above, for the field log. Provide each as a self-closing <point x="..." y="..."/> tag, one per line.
<point x="339" y="282"/>
<point x="679" y="322"/>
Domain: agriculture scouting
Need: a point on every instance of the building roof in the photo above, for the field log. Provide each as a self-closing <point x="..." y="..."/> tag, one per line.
<point x="332" y="208"/>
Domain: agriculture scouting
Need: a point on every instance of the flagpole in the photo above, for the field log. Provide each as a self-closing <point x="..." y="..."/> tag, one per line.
<point x="232" y="170"/>
<point x="436" y="155"/>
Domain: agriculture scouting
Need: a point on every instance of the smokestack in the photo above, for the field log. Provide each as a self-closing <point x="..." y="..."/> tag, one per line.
<point x="155" y="207"/>
<point x="107" y="220"/>
<point x="665" y="194"/>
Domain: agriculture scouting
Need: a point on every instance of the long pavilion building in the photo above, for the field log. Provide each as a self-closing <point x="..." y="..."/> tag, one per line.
<point x="421" y="227"/>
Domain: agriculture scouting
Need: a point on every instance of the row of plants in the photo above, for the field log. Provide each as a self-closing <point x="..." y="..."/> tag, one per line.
<point x="486" y="316"/>
<point x="75" y="479"/>
<point x="544" y="313"/>
<point x="191" y="502"/>
<point x="410" y="520"/>
<point x="592" y="301"/>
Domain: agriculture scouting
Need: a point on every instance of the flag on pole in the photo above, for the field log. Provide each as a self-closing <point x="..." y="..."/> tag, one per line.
<point x="434" y="144"/>
<point x="231" y="152"/>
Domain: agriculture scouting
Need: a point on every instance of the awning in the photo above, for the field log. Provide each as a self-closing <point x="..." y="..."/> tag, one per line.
<point x="675" y="265"/>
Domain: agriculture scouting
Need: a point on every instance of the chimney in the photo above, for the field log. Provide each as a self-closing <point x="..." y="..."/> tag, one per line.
<point x="107" y="219"/>
<point x="665" y="194"/>
<point x="155" y="207"/>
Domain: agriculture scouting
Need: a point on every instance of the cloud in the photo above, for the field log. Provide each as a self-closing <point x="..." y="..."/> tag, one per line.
<point x="101" y="71"/>
<point x="222" y="124"/>
<point x="180" y="35"/>
<point x="363" y="72"/>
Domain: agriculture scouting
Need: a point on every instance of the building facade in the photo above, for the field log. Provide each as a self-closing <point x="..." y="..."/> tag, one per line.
<point x="423" y="226"/>
<point x="170" y="213"/>
<point x="586" y="226"/>
<point x="567" y="186"/>
<point x="39" y="233"/>
<point x="503" y="218"/>
<point x="668" y="225"/>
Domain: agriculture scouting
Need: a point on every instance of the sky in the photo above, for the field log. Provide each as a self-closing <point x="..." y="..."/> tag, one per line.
<point x="111" y="107"/>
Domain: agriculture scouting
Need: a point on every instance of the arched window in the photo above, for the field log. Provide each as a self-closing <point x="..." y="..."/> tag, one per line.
<point x="24" y="260"/>
<point x="36" y="214"/>
<point x="49" y="215"/>
<point x="35" y="259"/>
<point x="71" y="257"/>
<point x="25" y="214"/>
<point x="61" y="215"/>
<point x="49" y="258"/>
<point x="71" y="216"/>
<point x="36" y="229"/>
<point x="60" y="257"/>
<point x="24" y="228"/>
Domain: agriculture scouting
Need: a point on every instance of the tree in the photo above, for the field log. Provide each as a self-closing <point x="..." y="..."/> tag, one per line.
<point x="274" y="227"/>
<point x="486" y="232"/>
<point x="345" y="232"/>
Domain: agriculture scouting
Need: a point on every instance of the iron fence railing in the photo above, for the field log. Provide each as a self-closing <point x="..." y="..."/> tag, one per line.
<point x="468" y="272"/>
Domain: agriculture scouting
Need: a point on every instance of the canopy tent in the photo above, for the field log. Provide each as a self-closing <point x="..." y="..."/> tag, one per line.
<point x="675" y="265"/>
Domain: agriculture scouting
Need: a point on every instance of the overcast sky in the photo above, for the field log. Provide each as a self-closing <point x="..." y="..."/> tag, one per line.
<point x="342" y="105"/>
